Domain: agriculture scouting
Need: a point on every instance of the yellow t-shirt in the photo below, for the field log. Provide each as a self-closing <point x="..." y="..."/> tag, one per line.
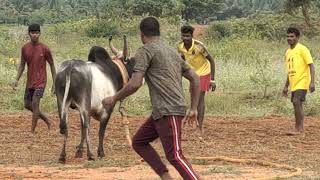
<point x="196" y="57"/>
<point x="298" y="60"/>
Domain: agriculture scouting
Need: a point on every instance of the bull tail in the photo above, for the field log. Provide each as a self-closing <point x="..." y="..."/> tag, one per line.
<point x="63" y="123"/>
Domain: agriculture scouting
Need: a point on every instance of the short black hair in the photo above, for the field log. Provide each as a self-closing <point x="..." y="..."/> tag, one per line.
<point x="150" y="26"/>
<point x="293" y="30"/>
<point x="187" y="29"/>
<point x="34" y="27"/>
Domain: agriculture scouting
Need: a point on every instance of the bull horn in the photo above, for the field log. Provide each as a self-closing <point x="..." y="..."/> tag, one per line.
<point x="113" y="49"/>
<point x="125" y="47"/>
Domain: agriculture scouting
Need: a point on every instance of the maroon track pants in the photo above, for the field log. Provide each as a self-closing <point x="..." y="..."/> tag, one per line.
<point x="168" y="129"/>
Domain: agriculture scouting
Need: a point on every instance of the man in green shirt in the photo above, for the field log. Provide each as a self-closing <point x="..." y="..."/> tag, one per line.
<point x="163" y="69"/>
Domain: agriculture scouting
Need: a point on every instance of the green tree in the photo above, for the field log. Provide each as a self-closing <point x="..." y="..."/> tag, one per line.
<point x="6" y="11"/>
<point x="53" y="4"/>
<point x="292" y="6"/>
<point x="200" y="9"/>
<point x="154" y="8"/>
<point x="248" y="7"/>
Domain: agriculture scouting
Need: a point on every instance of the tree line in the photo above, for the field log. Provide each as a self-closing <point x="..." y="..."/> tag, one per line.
<point x="54" y="11"/>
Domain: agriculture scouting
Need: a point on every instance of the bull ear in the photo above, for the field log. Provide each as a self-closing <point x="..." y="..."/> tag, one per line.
<point x="114" y="50"/>
<point x="125" y="47"/>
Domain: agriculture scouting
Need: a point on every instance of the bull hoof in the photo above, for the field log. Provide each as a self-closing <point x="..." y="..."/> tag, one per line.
<point x="90" y="158"/>
<point x="79" y="153"/>
<point x="63" y="128"/>
<point x="62" y="160"/>
<point x="49" y="126"/>
<point x="101" y="155"/>
<point x="63" y="131"/>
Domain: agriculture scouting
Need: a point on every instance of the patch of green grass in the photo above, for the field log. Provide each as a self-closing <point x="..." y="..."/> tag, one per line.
<point x="18" y="178"/>
<point x="52" y="164"/>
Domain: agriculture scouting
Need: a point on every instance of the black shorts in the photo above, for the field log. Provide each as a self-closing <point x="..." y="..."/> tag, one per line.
<point x="30" y="92"/>
<point x="299" y="95"/>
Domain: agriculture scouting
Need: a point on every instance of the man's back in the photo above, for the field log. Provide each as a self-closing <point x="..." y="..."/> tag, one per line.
<point x="163" y="68"/>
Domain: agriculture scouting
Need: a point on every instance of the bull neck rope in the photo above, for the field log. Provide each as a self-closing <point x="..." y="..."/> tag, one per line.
<point x="123" y="70"/>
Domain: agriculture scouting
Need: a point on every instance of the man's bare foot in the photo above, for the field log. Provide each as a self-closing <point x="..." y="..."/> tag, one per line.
<point x="299" y="129"/>
<point x="294" y="133"/>
<point x="49" y="125"/>
<point x="166" y="176"/>
<point x="197" y="131"/>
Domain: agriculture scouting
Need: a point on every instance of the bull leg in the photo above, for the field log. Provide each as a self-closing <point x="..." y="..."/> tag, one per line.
<point x="85" y="121"/>
<point x="63" y="155"/>
<point x="85" y="124"/>
<point x="63" y="117"/>
<point x="89" y="146"/>
<point x="104" y="118"/>
<point x="64" y="131"/>
<point x="63" y="114"/>
<point x="79" y="151"/>
<point x="125" y="122"/>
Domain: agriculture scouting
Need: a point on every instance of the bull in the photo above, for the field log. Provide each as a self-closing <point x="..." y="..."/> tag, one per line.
<point x="82" y="85"/>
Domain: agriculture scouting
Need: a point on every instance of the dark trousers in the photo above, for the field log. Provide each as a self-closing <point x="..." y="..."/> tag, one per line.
<point x="168" y="129"/>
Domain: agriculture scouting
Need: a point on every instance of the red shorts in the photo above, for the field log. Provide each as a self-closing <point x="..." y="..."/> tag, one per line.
<point x="205" y="83"/>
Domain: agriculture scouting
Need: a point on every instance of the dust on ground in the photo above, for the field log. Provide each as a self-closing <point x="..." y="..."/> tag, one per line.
<point x="35" y="156"/>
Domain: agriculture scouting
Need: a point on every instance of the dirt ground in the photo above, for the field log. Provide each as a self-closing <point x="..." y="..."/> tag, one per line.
<point x="199" y="30"/>
<point x="35" y="156"/>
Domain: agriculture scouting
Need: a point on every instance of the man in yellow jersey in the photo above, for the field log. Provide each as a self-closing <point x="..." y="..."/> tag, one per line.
<point x="196" y="54"/>
<point x="300" y="77"/>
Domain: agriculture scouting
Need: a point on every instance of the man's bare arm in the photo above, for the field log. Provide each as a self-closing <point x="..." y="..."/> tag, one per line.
<point x="133" y="85"/>
<point x="312" y="73"/>
<point x="285" y="89"/>
<point x="20" y="72"/>
<point x="213" y="66"/>
<point x="53" y="73"/>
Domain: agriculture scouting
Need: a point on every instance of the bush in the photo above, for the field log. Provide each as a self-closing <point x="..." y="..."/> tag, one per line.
<point x="102" y="28"/>
<point x="261" y="26"/>
<point x="219" y="30"/>
<point x="37" y="17"/>
<point x="129" y="26"/>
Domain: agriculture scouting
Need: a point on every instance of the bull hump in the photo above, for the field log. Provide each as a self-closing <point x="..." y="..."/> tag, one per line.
<point x="102" y="86"/>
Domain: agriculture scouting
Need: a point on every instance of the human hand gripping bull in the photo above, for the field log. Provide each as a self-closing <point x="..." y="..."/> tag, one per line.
<point x="83" y="85"/>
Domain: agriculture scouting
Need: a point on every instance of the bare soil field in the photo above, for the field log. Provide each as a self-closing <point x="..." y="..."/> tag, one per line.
<point x="35" y="156"/>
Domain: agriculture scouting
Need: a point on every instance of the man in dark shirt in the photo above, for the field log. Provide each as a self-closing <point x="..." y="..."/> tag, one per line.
<point x="35" y="54"/>
<point x="163" y="70"/>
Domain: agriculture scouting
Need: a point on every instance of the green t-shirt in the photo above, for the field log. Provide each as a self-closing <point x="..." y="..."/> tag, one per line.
<point x="163" y="68"/>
